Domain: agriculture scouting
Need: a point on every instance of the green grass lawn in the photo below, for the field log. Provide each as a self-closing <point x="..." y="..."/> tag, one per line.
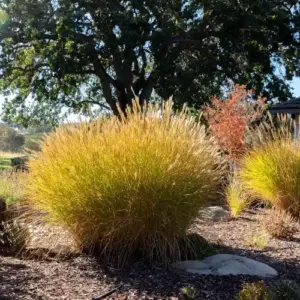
<point x="5" y="163"/>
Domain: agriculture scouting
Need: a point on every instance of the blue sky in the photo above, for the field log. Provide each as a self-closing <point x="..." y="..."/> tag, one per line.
<point x="296" y="86"/>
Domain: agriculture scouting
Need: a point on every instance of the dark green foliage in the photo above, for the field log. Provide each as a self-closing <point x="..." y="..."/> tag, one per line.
<point x="195" y="247"/>
<point x="281" y="290"/>
<point x="82" y="52"/>
<point x="286" y="290"/>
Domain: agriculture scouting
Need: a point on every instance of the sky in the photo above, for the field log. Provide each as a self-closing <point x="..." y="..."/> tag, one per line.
<point x="296" y="87"/>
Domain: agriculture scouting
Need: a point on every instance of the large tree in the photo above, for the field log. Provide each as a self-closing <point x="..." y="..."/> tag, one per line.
<point x="73" y="53"/>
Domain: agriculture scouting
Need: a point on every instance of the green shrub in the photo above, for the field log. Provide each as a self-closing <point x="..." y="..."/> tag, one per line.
<point x="127" y="185"/>
<point x="272" y="172"/>
<point x="255" y="291"/>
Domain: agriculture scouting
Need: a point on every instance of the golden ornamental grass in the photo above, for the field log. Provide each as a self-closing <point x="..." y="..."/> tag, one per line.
<point x="272" y="172"/>
<point x="237" y="196"/>
<point x="129" y="185"/>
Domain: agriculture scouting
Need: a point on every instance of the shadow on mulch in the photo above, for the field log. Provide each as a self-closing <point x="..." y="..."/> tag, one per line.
<point x="13" y="284"/>
<point x="163" y="283"/>
<point x="140" y="281"/>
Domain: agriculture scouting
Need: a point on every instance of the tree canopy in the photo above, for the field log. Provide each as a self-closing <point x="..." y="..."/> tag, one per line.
<point x="57" y="54"/>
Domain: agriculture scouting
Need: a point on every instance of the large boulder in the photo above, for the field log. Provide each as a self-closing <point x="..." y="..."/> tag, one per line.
<point x="227" y="264"/>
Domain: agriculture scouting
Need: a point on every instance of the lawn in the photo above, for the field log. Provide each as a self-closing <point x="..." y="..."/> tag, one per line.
<point x="5" y="163"/>
<point x="5" y="159"/>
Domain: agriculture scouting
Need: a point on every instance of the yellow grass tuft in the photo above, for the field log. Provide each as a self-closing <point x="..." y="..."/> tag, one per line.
<point x="272" y="172"/>
<point x="127" y="185"/>
<point x="237" y="197"/>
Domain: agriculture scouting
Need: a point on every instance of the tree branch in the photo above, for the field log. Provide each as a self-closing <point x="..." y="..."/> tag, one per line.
<point x="105" y="79"/>
<point x="96" y="103"/>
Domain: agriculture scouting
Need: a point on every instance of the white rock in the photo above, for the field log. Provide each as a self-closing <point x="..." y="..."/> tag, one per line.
<point x="215" y="213"/>
<point x="227" y="264"/>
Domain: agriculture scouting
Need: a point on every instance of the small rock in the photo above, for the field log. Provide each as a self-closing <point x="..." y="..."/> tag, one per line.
<point x="227" y="264"/>
<point x="215" y="213"/>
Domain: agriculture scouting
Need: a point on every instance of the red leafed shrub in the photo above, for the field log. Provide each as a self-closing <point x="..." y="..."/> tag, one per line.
<point x="229" y="118"/>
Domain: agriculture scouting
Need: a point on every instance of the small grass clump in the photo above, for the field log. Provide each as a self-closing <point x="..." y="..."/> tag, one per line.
<point x="255" y="291"/>
<point x="281" y="290"/>
<point x="14" y="235"/>
<point x="127" y="185"/>
<point x="257" y="240"/>
<point x="237" y="197"/>
<point x="272" y="172"/>
<point x="279" y="224"/>
<point x="189" y="292"/>
<point x="11" y="186"/>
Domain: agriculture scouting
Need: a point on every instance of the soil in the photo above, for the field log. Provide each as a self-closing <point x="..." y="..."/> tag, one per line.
<point x="81" y="277"/>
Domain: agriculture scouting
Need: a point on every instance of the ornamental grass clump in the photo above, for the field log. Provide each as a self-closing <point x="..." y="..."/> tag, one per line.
<point x="279" y="224"/>
<point x="127" y="185"/>
<point x="272" y="172"/>
<point x="237" y="197"/>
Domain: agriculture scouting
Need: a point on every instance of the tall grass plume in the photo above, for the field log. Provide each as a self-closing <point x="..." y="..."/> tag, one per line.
<point x="127" y="185"/>
<point x="272" y="172"/>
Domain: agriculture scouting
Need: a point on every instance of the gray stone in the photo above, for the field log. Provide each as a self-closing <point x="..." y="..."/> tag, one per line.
<point x="227" y="264"/>
<point x="215" y="213"/>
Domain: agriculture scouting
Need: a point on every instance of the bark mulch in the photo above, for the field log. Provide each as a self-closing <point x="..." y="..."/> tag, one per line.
<point x="82" y="277"/>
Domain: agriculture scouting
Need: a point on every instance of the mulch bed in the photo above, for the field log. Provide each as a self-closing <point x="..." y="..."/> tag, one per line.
<point x="82" y="277"/>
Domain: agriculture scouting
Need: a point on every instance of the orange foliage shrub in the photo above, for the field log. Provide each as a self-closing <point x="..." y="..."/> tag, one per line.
<point x="228" y="119"/>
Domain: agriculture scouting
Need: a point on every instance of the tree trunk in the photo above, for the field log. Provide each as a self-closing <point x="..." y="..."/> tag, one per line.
<point x="125" y="97"/>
